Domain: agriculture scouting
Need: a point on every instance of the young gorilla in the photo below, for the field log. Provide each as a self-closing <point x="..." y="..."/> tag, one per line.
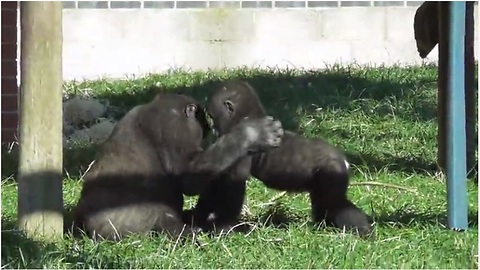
<point x="152" y="158"/>
<point x="299" y="165"/>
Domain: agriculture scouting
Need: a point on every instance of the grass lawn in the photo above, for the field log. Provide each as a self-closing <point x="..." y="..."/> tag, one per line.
<point x="384" y="118"/>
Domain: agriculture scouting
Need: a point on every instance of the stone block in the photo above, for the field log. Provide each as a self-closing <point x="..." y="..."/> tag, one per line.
<point x="287" y="25"/>
<point x="221" y="24"/>
<point x="198" y="55"/>
<point x="354" y="23"/>
<point x="398" y="30"/>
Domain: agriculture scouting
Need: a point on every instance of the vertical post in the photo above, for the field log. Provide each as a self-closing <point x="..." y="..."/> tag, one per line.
<point x="456" y="138"/>
<point x="470" y="100"/>
<point x="40" y="201"/>
<point x="443" y="79"/>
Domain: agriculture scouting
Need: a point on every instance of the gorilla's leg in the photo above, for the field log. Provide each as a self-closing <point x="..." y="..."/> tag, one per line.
<point x="220" y="206"/>
<point x="112" y="214"/>
<point x="329" y="200"/>
<point x="172" y="224"/>
<point x="339" y="212"/>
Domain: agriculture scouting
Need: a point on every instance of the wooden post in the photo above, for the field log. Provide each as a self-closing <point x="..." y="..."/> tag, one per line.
<point x="40" y="200"/>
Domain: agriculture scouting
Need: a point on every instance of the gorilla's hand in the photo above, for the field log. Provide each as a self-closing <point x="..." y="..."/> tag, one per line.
<point x="260" y="134"/>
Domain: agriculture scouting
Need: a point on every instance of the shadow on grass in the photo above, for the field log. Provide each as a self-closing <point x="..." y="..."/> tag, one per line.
<point x="278" y="217"/>
<point x="76" y="161"/>
<point x="69" y="228"/>
<point x="392" y="163"/>
<point x="286" y="95"/>
<point x="19" y="251"/>
<point x="404" y="218"/>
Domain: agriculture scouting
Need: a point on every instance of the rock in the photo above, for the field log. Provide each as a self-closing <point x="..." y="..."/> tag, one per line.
<point x="100" y="131"/>
<point x="78" y="110"/>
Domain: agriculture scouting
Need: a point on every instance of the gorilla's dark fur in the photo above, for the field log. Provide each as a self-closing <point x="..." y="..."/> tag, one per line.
<point x="298" y="165"/>
<point x="152" y="158"/>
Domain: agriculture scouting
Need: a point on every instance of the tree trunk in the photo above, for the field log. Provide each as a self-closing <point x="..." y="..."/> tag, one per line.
<point x="40" y="198"/>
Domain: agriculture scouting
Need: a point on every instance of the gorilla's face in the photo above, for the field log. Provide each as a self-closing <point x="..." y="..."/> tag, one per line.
<point x="202" y="120"/>
<point x="221" y="110"/>
<point x="197" y="122"/>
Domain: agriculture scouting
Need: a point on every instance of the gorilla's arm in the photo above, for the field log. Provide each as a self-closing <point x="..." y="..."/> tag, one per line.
<point x="178" y="150"/>
<point x="249" y="136"/>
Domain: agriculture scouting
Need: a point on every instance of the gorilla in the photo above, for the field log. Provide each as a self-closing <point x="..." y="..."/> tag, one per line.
<point x="152" y="158"/>
<point x="299" y="164"/>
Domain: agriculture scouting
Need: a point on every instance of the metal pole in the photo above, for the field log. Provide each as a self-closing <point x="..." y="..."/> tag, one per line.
<point x="456" y="159"/>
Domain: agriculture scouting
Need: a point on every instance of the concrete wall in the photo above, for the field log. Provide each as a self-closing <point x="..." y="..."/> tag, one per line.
<point x="119" y="42"/>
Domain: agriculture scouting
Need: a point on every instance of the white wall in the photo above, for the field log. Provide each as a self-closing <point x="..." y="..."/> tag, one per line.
<point x="116" y="43"/>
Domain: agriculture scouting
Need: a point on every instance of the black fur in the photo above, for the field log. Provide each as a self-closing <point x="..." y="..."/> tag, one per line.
<point x="299" y="165"/>
<point x="152" y="158"/>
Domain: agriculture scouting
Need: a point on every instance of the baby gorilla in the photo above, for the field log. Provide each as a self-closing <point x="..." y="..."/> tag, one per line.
<point x="299" y="165"/>
<point x="152" y="158"/>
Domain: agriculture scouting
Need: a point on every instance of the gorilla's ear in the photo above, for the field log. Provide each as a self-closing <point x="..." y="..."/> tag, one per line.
<point x="190" y="110"/>
<point x="229" y="106"/>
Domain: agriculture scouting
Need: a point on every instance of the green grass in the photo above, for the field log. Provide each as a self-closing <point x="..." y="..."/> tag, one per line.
<point x="383" y="117"/>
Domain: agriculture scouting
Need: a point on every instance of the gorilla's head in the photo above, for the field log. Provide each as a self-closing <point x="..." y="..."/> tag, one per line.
<point x="232" y="102"/>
